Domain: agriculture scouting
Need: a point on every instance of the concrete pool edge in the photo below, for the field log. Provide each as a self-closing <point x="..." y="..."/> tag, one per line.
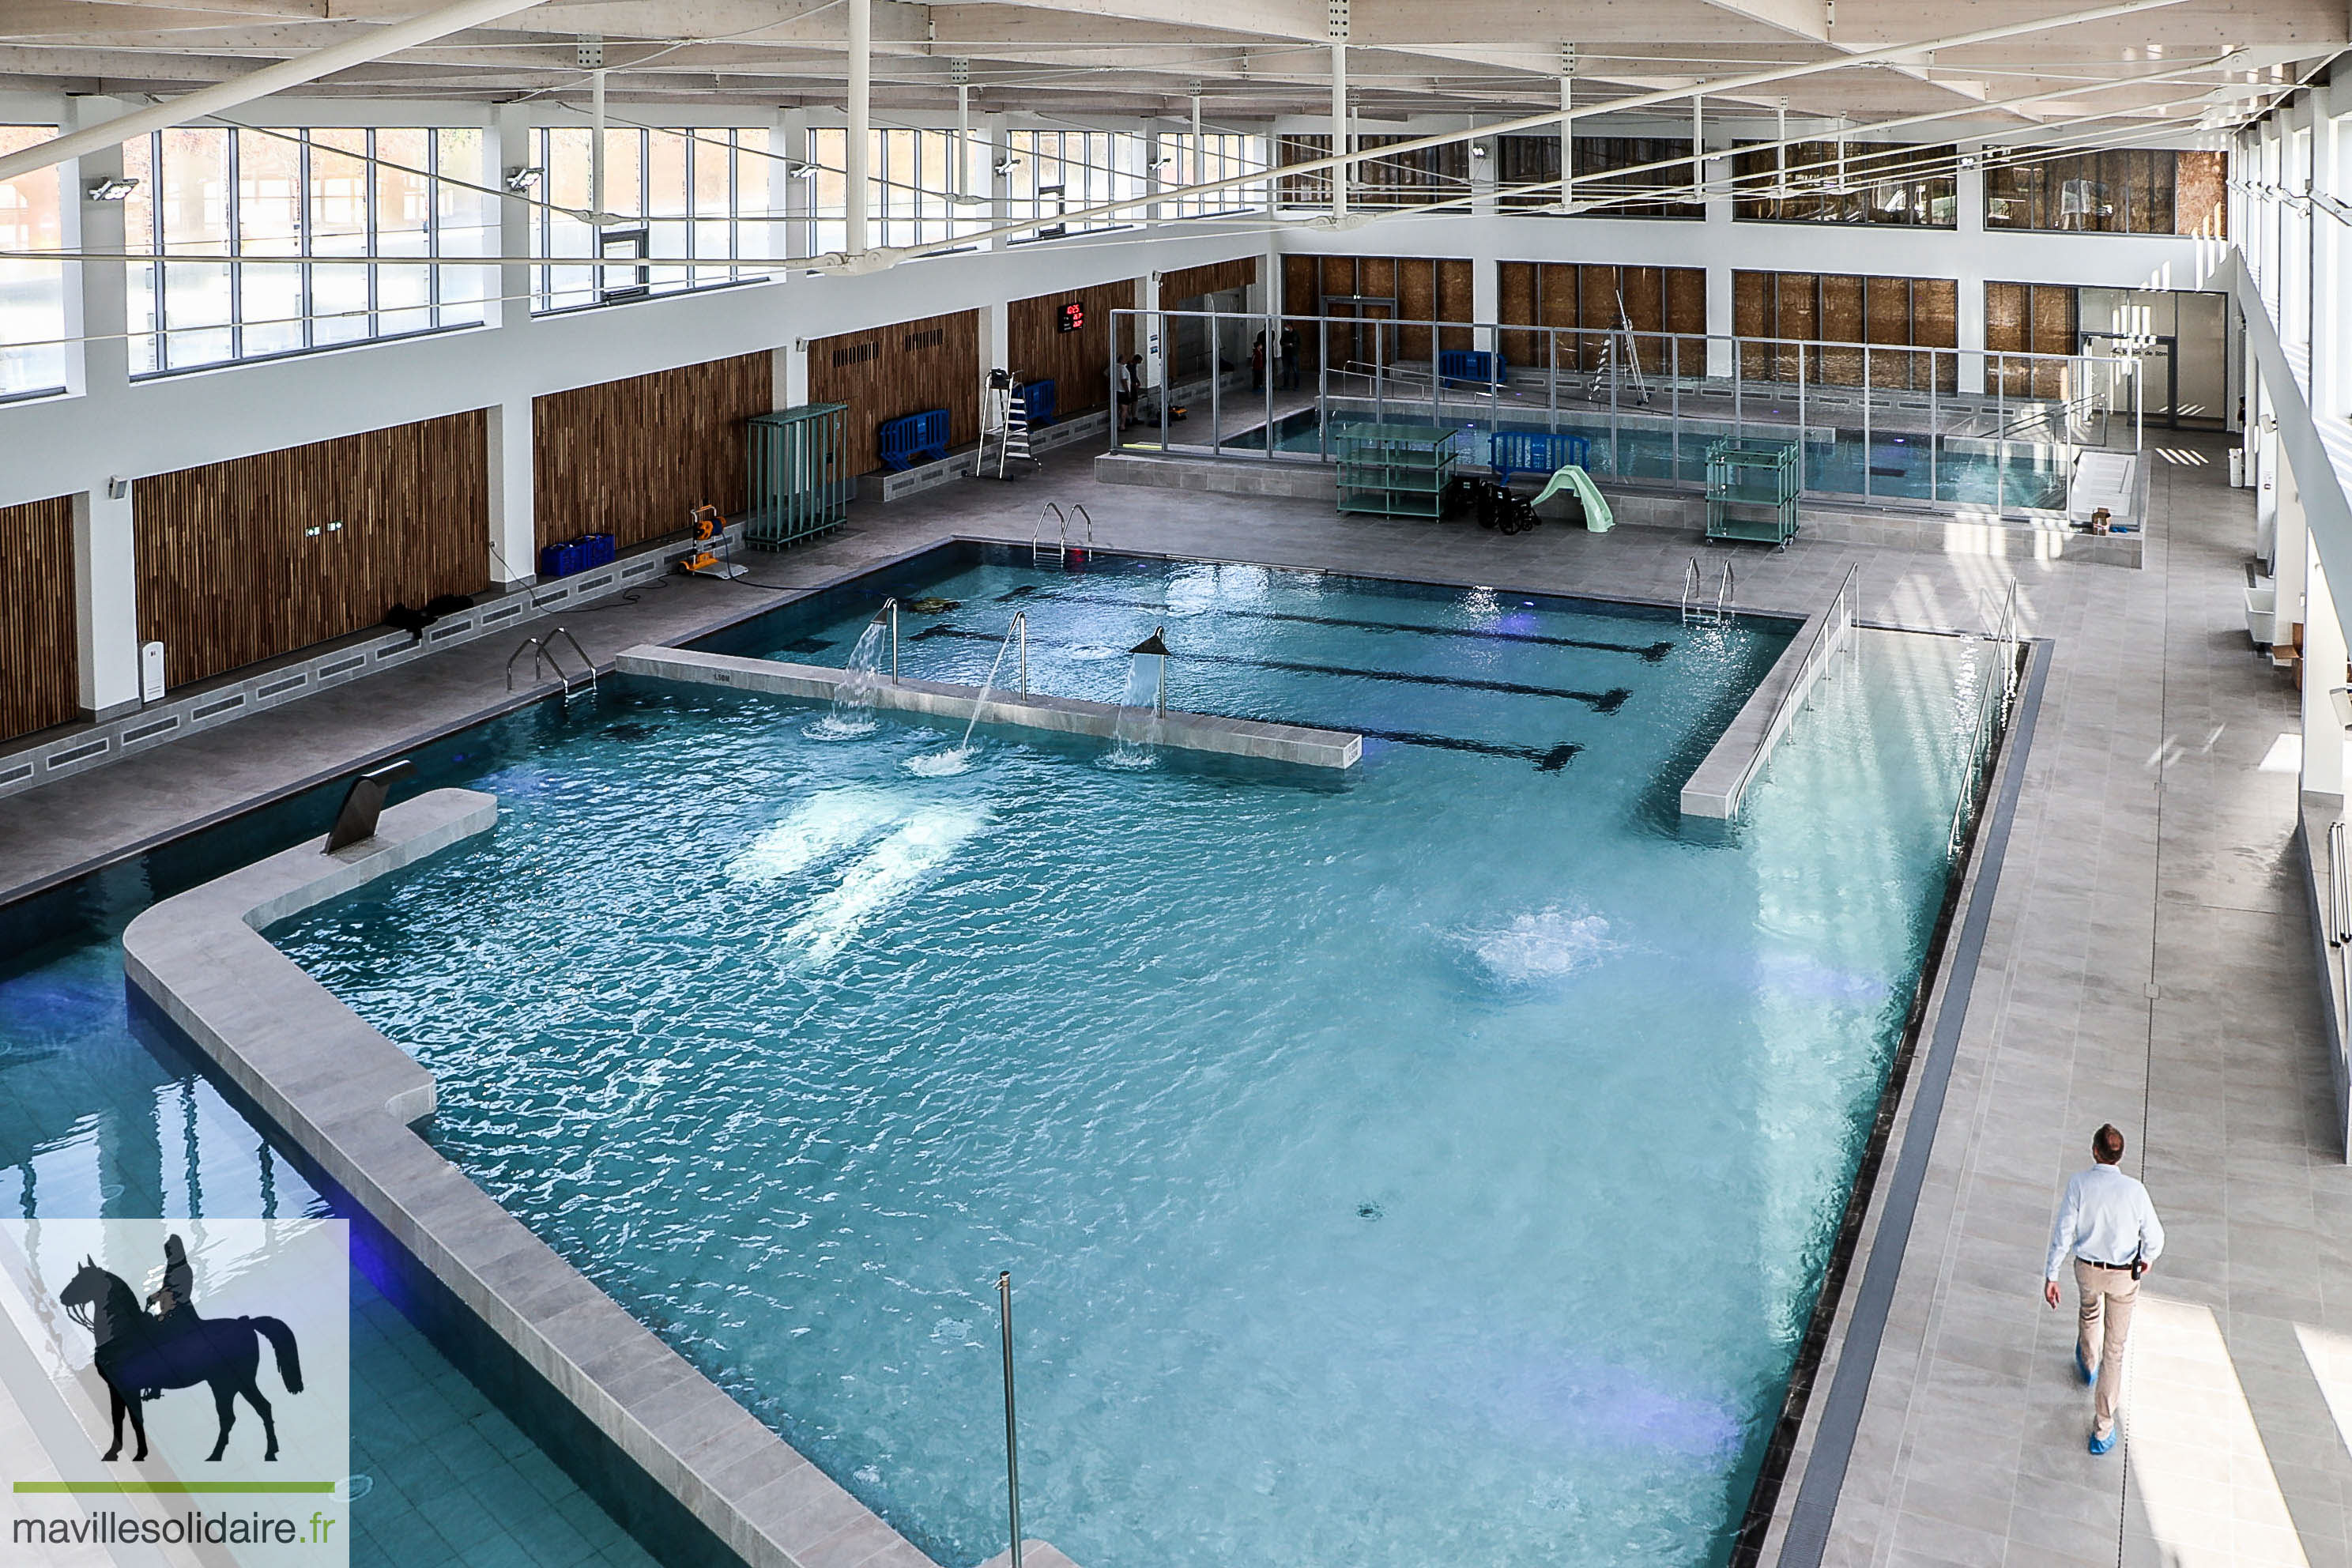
<point x="345" y="1097"/>
<point x="1791" y="1512"/>
<point x="1721" y="780"/>
<point x="1062" y="715"/>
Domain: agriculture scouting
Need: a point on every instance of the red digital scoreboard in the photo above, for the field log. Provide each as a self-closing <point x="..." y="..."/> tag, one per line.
<point x="1074" y="316"/>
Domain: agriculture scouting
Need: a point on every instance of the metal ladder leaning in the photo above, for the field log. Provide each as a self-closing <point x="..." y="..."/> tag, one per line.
<point x="544" y="658"/>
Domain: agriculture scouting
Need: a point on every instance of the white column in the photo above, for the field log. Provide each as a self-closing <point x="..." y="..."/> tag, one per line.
<point x="1481" y="174"/>
<point x="788" y="198"/>
<point x="2323" y="670"/>
<point x="514" y="518"/>
<point x="1486" y="300"/>
<point x="106" y="602"/>
<point x="861" y="115"/>
<point x="788" y="374"/>
<point x="2291" y="542"/>
<point x="1000" y="187"/>
<point x="1968" y="217"/>
<point x="996" y="336"/>
<point x="510" y="150"/>
<point x="1718" y="320"/>
<point x="2328" y="316"/>
<point x="1340" y="126"/>
<point x="1147" y="297"/>
<point x="2269" y="526"/>
<point x="97" y="301"/>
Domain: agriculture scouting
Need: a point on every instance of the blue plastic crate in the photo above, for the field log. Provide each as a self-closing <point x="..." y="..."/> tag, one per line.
<point x="913" y="437"/>
<point x="563" y="560"/>
<point x="603" y="549"/>
<point x="1546" y="452"/>
<point x="1476" y="367"/>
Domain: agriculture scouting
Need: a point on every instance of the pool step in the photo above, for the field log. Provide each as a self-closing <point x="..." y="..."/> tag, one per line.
<point x="1064" y="715"/>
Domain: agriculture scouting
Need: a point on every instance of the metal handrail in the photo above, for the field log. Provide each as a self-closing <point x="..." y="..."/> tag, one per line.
<point x="1725" y="587"/>
<point x="529" y="643"/>
<point x="543" y="659"/>
<point x="1078" y="508"/>
<point x="1836" y="627"/>
<point x="1991" y="713"/>
<point x="1037" y="530"/>
<point x="2339" y="891"/>
<point x="1690" y="588"/>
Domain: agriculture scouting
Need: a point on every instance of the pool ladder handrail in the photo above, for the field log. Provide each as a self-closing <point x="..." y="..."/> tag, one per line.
<point x="1078" y="511"/>
<point x="1695" y="607"/>
<point x="544" y="658"/>
<point x="1061" y="534"/>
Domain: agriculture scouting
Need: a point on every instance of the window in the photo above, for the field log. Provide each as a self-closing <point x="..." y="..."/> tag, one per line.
<point x="2132" y="190"/>
<point x="1615" y="173"/>
<point x="911" y="188"/>
<point x="1411" y="179"/>
<point x="258" y="225"/>
<point x="1057" y="171"/>
<point x="1848" y="181"/>
<point x="1220" y="155"/>
<point x="688" y="209"/>
<point x="32" y="293"/>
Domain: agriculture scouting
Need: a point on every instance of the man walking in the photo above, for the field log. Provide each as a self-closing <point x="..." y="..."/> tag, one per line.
<point x="2109" y="1229"/>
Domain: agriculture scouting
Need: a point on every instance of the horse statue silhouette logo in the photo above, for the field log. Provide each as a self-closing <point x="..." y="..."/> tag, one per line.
<point x="176" y="1348"/>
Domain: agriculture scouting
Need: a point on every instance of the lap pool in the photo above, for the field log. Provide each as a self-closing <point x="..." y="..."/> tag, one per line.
<point x="1438" y="1160"/>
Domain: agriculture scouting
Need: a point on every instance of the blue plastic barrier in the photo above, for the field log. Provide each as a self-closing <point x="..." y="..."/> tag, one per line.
<point x="603" y="549"/>
<point x="1038" y="398"/>
<point x="912" y="438"/>
<point x="1472" y="366"/>
<point x="1545" y="452"/>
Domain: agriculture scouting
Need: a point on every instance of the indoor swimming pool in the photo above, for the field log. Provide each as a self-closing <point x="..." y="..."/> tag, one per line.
<point x="1433" y="1161"/>
<point x="1892" y="465"/>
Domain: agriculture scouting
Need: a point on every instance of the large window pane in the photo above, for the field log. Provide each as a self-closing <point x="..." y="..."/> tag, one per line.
<point x="340" y="294"/>
<point x="32" y="293"/>
<point x="269" y="223"/>
<point x="404" y="218"/>
<point x="467" y="222"/>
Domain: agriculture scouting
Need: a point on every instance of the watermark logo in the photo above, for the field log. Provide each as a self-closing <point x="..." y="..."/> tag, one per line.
<point x="179" y="1387"/>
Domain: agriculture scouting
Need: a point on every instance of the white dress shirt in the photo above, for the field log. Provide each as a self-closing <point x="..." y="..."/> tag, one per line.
<point x="2105" y="1218"/>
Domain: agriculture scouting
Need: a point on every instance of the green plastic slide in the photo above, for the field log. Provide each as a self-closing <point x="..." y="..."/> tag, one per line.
<point x="1598" y="518"/>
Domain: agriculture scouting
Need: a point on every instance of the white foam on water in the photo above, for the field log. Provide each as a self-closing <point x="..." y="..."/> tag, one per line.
<point x="941" y="764"/>
<point x="1550" y="944"/>
<point x="824" y="825"/>
<point x="831" y="729"/>
<point x="884" y="874"/>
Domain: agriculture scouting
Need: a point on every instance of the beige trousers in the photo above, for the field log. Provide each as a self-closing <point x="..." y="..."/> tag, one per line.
<point x="2107" y="1294"/>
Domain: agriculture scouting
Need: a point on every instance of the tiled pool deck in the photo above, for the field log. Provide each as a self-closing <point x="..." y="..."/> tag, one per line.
<point x="2147" y="961"/>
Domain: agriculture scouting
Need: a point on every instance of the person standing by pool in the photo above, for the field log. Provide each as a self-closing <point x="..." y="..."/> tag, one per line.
<point x="1289" y="343"/>
<point x="2108" y="1228"/>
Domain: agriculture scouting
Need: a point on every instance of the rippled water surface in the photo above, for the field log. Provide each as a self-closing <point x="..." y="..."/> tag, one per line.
<point x="1432" y="1164"/>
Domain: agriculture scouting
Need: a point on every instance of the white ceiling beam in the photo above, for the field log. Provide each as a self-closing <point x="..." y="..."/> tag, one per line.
<point x="268" y="79"/>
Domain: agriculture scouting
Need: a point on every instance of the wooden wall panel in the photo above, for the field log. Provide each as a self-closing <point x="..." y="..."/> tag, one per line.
<point x="2201" y="198"/>
<point x="229" y="575"/>
<point x="1456" y="301"/>
<point x="40" y="666"/>
<point x="1078" y="364"/>
<point x="1515" y="301"/>
<point x="1216" y="278"/>
<point x="1425" y="289"/>
<point x="901" y="369"/>
<point x="1826" y="312"/>
<point x="634" y="457"/>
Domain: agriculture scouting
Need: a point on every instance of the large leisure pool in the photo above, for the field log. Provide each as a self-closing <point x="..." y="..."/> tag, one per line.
<point x="1435" y="1162"/>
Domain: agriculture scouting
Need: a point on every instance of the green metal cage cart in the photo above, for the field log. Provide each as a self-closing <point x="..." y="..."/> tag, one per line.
<point x="1749" y="473"/>
<point x="1396" y="470"/>
<point x="798" y="483"/>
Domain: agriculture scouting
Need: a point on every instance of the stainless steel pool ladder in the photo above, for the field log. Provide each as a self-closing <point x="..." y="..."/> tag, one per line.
<point x="1696" y="611"/>
<point x="1078" y="511"/>
<point x="1061" y="534"/>
<point x="544" y="658"/>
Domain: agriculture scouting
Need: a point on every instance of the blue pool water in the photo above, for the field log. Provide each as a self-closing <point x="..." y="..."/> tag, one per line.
<point x="1433" y="1163"/>
<point x="94" y="1121"/>
<point x="1899" y="465"/>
